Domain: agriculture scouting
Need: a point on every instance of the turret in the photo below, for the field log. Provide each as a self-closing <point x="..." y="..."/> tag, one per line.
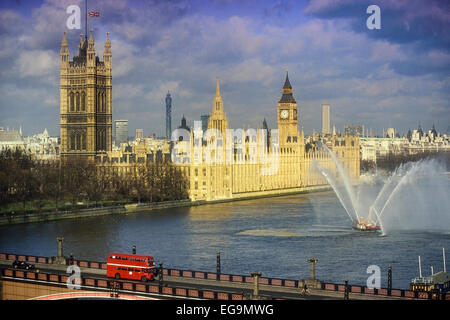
<point x="107" y="55"/>
<point x="90" y="50"/>
<point x="81" y="47"/>
<point x="64" y="52"/>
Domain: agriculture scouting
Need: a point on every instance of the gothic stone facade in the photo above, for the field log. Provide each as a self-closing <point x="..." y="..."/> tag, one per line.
<point x="85" y="100"/>
<point x="215" y="172"/>
<point x="86" y="130"/>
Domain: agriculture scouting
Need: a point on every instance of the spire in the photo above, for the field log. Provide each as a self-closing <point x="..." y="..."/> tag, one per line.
<point x="64" y="41"/>
<point x="218" y="103"/>
<point x="91" y="37"/>
<point x="287" y="83"/>
<point x="64" y="52"/>
<point x="107" y="42"/>
<point x="218" y="119"/>
<point x="217" y="89"/>
<point x="107" y="55"/>
<point x="433" y="130"/>
<point x="90" y="51"/>
<point x="287" y="96"/>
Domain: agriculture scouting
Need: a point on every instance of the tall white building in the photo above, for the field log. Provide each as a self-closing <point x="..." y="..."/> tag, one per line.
<point x="326" y="126"/>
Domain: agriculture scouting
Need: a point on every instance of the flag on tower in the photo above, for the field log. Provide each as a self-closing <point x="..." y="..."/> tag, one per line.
<point x="94" y="14"/>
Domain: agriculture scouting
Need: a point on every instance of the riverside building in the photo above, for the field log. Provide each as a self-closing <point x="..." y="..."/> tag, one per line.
<point x="219" y="163"/>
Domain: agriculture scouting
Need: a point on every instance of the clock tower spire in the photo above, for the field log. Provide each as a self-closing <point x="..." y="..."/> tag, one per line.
<point x="287" y="117"/>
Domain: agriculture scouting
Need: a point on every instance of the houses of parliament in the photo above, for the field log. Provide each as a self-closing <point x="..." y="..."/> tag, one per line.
<point x="224" y="165"/>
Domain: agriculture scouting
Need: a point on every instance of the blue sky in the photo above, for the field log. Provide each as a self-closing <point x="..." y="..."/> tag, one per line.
<point x="397" y="76"/>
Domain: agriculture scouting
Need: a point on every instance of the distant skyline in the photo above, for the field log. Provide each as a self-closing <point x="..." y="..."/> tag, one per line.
<point x="397" y="76"/>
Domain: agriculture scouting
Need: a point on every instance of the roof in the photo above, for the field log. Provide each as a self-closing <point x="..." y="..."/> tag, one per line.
<point x="441" y="277"/>
<point x="437" y="278"/>
<point x="287" y="83"/>
<point x="287" y="96"/>
<point x="10" y="135"/>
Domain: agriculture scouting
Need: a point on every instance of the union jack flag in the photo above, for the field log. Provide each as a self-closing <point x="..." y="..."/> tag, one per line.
<point x="94" y="14"/>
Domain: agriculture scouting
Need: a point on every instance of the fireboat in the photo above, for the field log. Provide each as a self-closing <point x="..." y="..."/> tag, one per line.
<point x="365" y="226"/>
<point x="362" y="225"/>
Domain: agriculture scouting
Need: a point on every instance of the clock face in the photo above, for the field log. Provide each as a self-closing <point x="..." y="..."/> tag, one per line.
<point x="284" y="114"/>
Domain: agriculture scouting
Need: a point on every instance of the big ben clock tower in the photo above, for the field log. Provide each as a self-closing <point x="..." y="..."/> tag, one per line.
<point x="287" y="116"/>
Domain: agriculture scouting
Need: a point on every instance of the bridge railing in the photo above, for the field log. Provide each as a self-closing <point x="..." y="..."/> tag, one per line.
<point x="106" y="284"/>
<point x="235" y="278"/>
<point x="204" y="275"/>
<point x="374" y="291"/>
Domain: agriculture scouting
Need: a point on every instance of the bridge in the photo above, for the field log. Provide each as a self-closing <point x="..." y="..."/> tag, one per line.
<point x="49" y="281"/>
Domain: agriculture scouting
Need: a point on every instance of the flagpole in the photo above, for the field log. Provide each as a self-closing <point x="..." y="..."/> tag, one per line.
<point x="86" y="19"/>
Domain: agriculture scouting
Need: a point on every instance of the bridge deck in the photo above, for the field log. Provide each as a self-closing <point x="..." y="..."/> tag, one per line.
<point x="243" y="288"/>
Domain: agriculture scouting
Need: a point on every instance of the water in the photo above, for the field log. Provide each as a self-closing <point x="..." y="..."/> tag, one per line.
<point x="275" y="236"/>
<point x="414" y="197"/>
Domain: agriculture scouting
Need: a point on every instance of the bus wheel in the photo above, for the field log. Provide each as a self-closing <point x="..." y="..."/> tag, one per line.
<point x="144" y="278"/>
<point x="117" y="276"/>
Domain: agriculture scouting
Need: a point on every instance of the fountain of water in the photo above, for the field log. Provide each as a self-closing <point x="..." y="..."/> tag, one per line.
<point x="415" y="196"/>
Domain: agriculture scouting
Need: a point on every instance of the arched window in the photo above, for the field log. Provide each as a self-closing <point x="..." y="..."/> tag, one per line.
<point x="78" y="141"/>
<point x="104" y="102"/>
<point x="72" y="142"/>
<point x="83" y="141"/>
<point x="71" y="102"/>
<point x="83" y="101"/>
<point x="99" y="102"/>
<point x="78" y="102"/>
<point x="98" y="143"/>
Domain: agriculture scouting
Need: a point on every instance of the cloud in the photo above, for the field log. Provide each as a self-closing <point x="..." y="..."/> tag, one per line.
<point x="37" y="63"/>
<point x="170" y="45"/>
<point x="423" y="23"/>
<point x="279" y="8"/>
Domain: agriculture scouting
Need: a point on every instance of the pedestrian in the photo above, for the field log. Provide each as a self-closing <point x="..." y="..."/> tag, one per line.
<point x="305" y="288"/>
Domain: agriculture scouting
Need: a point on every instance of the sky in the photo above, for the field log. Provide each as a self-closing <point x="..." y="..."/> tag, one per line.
<point x="397" y="76"/>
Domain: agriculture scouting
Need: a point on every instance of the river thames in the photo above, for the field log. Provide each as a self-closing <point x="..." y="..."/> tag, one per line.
<point x="273" y="235"/>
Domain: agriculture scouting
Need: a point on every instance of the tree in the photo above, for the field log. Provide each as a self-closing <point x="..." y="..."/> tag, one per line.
<point x="75" y="175"/>
<point x="93" y="185"/>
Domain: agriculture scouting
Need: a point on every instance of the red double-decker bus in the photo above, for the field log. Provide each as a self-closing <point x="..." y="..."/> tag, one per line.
<point x="130" y="266"/>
